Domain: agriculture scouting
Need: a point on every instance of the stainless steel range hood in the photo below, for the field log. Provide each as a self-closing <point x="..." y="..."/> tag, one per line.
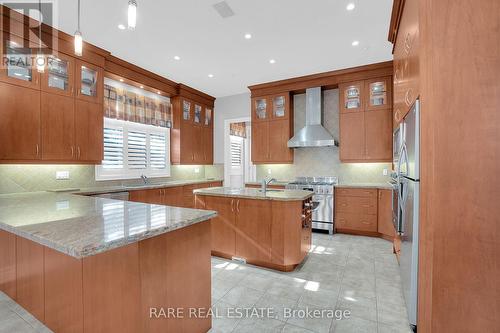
<point x="313" y="134"/>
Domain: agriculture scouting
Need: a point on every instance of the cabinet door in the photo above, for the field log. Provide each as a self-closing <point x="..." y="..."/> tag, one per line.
<point x="385" y="226"/>
<point x="223" y="226"/>
<point x="57" y="127"/>
<point x="19" y="123"/>
<point x="187" y="110"/>
<point x="352" y="136"/>
<point x="280" y="106"/>
<point x="351" y="96"/>
<point x="260" y="109"/>
<point x="90" y="82"/>
<point x="378" y="127"/>
<point x="208" y="117"/>
<point x="198" y="114"/>
<point x="173" y="196"/>
<point x="260" y="141"/>
<point x="59" y="75"/>
<point x="208" y="145"/>
<point x="279" y="134"/>
<point x="198" y="153"/>
<point x="89" y="123"/>
<point x="187" y="142"/>
<point x="17" y="55"/>
<point x="253" y="229"/>
<point x="378" y="93"/>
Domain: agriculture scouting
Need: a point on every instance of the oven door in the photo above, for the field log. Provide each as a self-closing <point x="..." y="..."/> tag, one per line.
<point x="324" y="210"/>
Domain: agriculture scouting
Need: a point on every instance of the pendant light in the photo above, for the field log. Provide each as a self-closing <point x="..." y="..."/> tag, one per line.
<point x="78" y="36"/>
<point x="40" y="60"/>
<point x="132" y="14"/>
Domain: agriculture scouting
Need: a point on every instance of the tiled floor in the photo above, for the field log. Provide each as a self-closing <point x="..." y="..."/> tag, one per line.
<point x="342" y="272"/>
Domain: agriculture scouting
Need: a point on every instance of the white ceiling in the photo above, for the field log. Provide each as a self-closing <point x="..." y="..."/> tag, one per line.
<point x="304" y="37"/>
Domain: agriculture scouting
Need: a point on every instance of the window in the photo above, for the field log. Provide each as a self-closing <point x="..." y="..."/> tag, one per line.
<point x="236" y="151"/>
<point x="133" y="149"/>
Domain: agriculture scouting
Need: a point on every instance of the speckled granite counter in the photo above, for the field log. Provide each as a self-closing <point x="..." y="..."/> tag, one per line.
<point x="386" y="186"/>
<point x="253" y="193"/>
<point x="83" y="226"/>
<point x="124" y="188"/>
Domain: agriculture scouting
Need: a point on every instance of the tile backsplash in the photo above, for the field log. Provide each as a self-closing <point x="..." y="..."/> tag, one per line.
<point x="323" y="161"/>
<point x="29" y="178"/>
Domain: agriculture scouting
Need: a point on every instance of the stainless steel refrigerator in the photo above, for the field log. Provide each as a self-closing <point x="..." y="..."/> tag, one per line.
<point x="409" y="185"/>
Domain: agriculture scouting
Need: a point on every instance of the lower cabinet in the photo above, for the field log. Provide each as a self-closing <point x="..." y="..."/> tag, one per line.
<point x="385" y="226"/>
<point x="274" y="234"/>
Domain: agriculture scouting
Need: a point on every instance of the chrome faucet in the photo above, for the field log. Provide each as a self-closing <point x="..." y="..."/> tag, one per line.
<point x="145" y="179"/>
<point x="265" y="183"/>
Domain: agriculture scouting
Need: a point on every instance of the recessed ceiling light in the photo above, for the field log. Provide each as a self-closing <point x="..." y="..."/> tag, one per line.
<point x="121" y="27"/>
<point x="272" y="61"/>
<point x="121" y="80"/>
<point x="177" y="58"/>
<point x="355" y="43"/>
<point x="350" y="6"/>
<point x="210" y="75"/>
<point x="248" y="36"/>
<point x="142" y="87"/>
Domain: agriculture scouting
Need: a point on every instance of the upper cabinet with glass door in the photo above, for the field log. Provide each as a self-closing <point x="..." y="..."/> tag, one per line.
<point x="197" y="114"/>
<point x="378" y="93"/>
<point x="58" y="77"/>
<point x="280" y="106"/>
<point x="90" y="82"/>
<point x="18" y="65"/>
<point x="351" y="96"/>
<point x="260" y="110"/>
<point x="207" y="120"/>
<point x="186" y="110"/>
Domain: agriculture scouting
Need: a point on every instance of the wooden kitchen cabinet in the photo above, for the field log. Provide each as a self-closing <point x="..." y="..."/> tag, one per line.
<point x="406" y="62"/>
<point x="223" y="225"/>
<point x="89" y="82"/>
<point x="385" y="226"/>
<point x="352" y="136"/>
<point x="19" y="123"/>
<point x="58" y="127"/>
<point x="366" y="126"/>
<point x="253" y="240"/>
<point x="378" y="142"/>
<point x="272" y="127"/>
<point x="59" y="75"/>
<point x="89" y="122"/>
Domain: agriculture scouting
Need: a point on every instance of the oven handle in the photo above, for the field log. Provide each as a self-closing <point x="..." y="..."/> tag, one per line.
<point x="315" y="205"/>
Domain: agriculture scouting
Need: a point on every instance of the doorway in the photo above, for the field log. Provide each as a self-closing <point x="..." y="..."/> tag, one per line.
<point x="238" y="166"/>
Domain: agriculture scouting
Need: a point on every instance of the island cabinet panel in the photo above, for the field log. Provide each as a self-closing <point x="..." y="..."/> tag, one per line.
<point x="385" y="226"/>
<point x="253" y="230"/>
<point x="30" y="278"/>
<point x="8" y="264"/>
<point x="111" y="291"/>
<point x="19" y="123"/>
<point x="223" y="225"/>
<point x="63" y="292"/>
<point x="267" y="233"/>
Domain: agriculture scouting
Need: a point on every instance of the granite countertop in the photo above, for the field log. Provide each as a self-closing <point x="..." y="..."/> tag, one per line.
<point x="82" y="226"/>
<point x="253" y="193"/>
<point x="278" y="182"/>
<point x="386" y="185"/>
<point x="125" y="188"/>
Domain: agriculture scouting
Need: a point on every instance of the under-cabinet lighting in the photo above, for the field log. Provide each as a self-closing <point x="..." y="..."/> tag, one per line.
<point x="142" y="87"/>
<point x="121" y="80"/>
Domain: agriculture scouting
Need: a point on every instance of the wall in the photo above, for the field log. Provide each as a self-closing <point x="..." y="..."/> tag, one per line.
<point x="231" y="107"/>
<point x="323" y="161"/>
<point x="28" y="178"/>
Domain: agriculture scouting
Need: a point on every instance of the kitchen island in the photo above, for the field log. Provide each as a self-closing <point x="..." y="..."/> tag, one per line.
<point x="86" y="264"/>
<point x="270" y="229"/>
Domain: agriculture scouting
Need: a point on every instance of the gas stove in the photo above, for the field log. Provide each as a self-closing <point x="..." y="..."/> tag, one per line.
<point x="323" y="188"/>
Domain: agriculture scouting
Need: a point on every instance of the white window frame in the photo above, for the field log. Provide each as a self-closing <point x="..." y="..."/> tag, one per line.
<point x="103" y="174"/>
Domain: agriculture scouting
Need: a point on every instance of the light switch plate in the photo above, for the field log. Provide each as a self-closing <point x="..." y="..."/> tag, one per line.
<point x="196" y="170"/>
<point x="385" y="172"/>
<point x="62" y="175"/>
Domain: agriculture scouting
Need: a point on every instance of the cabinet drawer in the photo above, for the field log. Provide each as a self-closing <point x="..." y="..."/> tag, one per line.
<point x="352" y="221"/>
<point x="356" y="192"/>
<point x="359" y="205"/>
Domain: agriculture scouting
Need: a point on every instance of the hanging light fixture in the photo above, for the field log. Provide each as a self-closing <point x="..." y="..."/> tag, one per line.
<point x="132" y="14"/>
<point x="40" y="60"/>
<point x="78" y="36"/>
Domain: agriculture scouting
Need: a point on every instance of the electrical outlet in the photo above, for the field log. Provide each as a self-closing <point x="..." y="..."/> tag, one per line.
<point x="62" y="175"/>
<point x="196" y="170"/>
<point x="385" y="172"/>
<point x="269" y="171"/>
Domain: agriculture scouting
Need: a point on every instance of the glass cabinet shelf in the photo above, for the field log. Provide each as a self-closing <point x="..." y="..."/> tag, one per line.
<point x="378" y="93"/>
<point x="197" y="114"/>
<point x="352" y="97"/>
<point x="261" y="108"/>
<point x="58" y="73"/>
<point x="88" y="84"/>
<point x="186" y="110"/>
<point x="208" y="117"/>
<point x="279" y="107"/>
<point x="18" y="61"/>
